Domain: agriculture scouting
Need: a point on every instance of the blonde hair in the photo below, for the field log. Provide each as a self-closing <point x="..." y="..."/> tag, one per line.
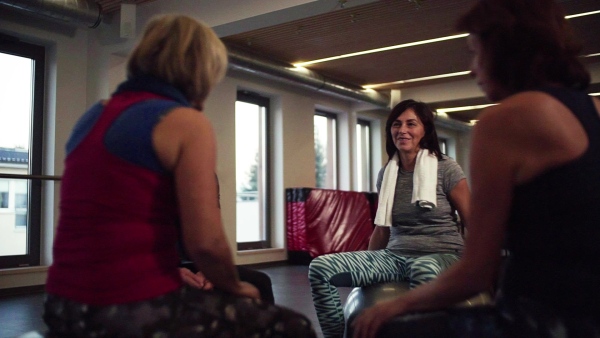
<point x="182" y="52"/>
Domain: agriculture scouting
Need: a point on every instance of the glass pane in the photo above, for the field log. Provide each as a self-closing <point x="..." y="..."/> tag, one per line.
<point x="359" y="157"/>
<point x="321" y="150"/>
<point x="21" y="203"/>
<point x="13" y="217"/>
<point x="4" y="193"/>
<point x="325" y="152"/>
<point x="249" y="155"/>
<point x="363" y="156"/>
<point x="443" y="146"/>
<point x="16" y="99"/>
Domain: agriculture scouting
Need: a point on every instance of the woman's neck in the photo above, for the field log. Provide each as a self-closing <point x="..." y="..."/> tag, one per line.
<point x="408" y="160"/>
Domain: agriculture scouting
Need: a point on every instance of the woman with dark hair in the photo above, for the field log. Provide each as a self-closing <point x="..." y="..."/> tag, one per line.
<point x="535" y="160"/>
<point x="417" y="235"/>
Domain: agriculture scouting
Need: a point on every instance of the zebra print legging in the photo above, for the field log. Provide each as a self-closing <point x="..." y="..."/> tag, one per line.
<point x="362" y="268"/>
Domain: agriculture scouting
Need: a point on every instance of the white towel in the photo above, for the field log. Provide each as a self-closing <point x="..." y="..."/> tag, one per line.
<point x="383" y="217"/>
<point x="425" y="180"/>
<point x="424" y="186"/>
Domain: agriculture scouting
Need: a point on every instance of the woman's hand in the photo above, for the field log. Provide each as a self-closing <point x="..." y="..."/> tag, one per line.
<point x="197" y="280"/>
<point x="370" y="320"/>
<point x="247" y="290"/>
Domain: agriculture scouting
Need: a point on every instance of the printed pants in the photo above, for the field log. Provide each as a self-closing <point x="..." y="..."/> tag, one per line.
<point x="362" y="268"/>
<point x="187" y="312"/>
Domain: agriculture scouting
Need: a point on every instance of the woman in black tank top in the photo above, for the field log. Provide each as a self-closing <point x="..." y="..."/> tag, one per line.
<point x="535" y="167"/>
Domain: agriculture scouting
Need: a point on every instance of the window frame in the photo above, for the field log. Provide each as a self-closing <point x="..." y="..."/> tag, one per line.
<point x="265" y="102"/>
<point x="14" y="46"/>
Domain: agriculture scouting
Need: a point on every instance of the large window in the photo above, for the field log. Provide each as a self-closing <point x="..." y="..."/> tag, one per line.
<point x="363" y="155"/>
<point x="252" y="171"/>
<point x="21" y="112"/>
<point x="325" y="129"/>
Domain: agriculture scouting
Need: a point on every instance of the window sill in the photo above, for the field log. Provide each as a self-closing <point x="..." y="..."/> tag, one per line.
<point x="23" y="270"/>
<point x="260" y="251"/>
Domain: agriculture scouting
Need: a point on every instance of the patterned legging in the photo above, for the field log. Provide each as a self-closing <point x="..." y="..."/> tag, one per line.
<point x="362" y="268"/>
<point x="186" y="312"/>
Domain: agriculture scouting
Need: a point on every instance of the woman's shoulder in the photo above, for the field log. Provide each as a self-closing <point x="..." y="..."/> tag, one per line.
<point x="448" y="165"/>
<point x="445" y="158"/>
<point x="447" y="161"/>
<point x="187" y="118"/>
<point x="524" y="107"/>
<point x="518" y="119"/>
<point x="182" y="128"/>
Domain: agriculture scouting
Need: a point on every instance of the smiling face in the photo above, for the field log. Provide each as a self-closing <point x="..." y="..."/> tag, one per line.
<point x="481" y="73"/>
<point x="407" y="131"/>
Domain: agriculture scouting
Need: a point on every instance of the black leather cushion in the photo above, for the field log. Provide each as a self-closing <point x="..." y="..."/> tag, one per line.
<point x="361" y="298"/>
<point x="364" y="297"/>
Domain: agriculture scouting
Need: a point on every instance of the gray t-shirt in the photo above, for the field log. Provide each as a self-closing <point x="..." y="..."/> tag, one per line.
<point x="418" y="231"/>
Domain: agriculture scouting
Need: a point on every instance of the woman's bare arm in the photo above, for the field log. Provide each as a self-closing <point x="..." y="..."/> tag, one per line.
<point x="185" y="143"/>
<point x="460" y="197"/>
<point x="379" y="238"/>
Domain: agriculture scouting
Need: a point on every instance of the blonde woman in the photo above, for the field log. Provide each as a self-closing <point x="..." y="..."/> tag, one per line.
<point x="138" y="165"/>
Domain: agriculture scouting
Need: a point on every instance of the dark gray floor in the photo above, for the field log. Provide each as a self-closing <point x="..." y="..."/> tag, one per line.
<point x="21" y="314"/>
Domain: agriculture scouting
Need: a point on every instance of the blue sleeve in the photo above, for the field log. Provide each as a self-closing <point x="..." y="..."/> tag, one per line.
<point x="130" y="135"/>
<point x="83" y="126"/>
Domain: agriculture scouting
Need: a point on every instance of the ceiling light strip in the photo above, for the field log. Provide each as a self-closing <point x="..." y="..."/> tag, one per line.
<point x="445" y="111"/>
<point x="417" y="43"/>
<point x="411" y="44"/>
<point x="433" y="77"/>
<point x="582" y="14"/>
<point x="382" y="49"/>
<point x="455" y="109"/>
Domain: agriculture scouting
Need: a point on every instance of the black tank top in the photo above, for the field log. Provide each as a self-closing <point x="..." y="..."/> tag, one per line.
<point x="554" y="226"/>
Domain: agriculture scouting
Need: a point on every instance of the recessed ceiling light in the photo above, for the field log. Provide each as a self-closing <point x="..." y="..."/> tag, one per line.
<point x="595" y="94"/>
<point x="382" y="49"/>
<point x="433" y="77"/>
